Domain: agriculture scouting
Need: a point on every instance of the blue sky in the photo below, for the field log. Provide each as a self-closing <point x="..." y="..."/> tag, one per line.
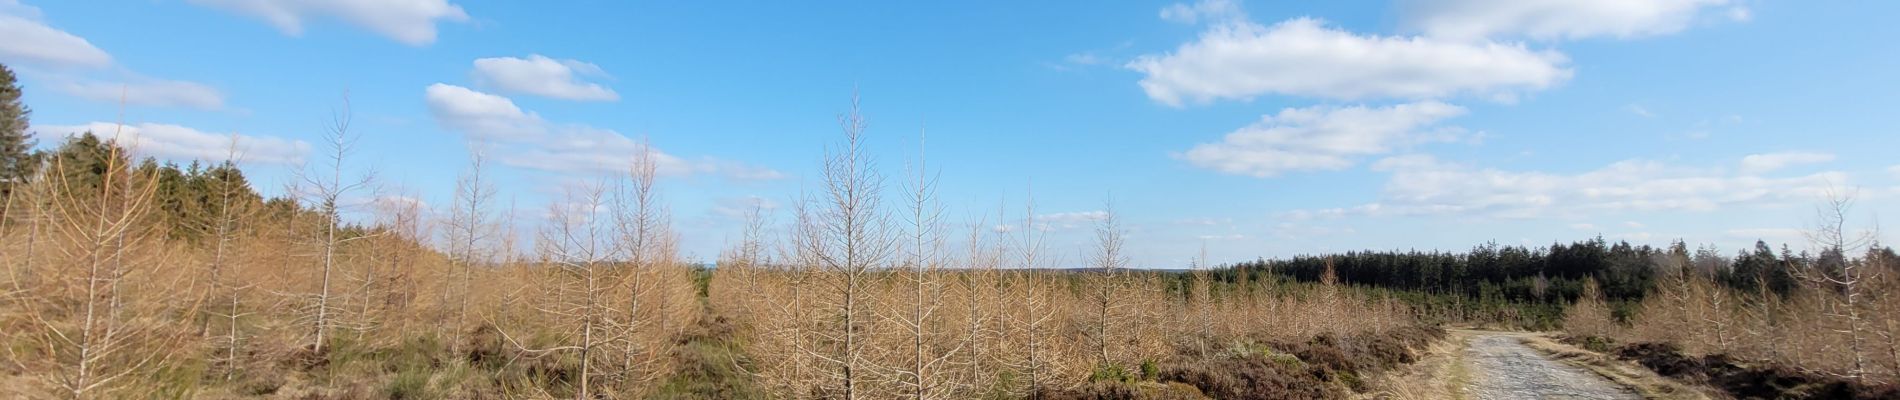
<point x="1257" y="128"/>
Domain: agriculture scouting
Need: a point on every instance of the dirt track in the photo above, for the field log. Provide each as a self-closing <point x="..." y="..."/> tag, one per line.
<point x="1502" y="367"/>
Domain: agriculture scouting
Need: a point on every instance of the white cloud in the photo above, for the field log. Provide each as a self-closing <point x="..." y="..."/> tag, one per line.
<point x="180" y="143"/>
<point x="1554" y="19"/>
<point x="1323" y="138"/>
<point x="1583" y="226"/>
<point x="1768" y="162"/>
<point x="740" y="208"/>
<point x="524" y="139"/>
<point x="1073" y="217"/>
<point x="1633" y="224"/>
<point x="542" y="76"/>
<point x="1423" y="185"/>
<point x="1640" y="111"/>
<point x="167" y="93"/>
<point x="1740" y="14"/>
<point x="1213" y="238"/>
<point x="29" y="40"/>
<point x="1206" y="10"/>
<point x="1894" y="170"/>
<point x="481" y="115"/>
<point x="411" y="22"/>
<point x="1204" y="221"/>
<point x="1069" y="220"/>
<point x="1303" y="57"/>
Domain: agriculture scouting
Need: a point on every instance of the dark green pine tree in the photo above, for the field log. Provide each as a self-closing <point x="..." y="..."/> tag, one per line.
<point x="81" y="162"/>
<point x="17" y="160"/>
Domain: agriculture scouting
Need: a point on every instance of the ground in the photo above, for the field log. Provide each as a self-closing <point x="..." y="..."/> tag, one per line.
<point x="1503" y="367"/>
<point x="1485" y="365"/>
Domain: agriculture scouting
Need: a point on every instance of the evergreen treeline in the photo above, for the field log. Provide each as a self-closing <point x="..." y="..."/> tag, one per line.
<point x="1540" y="280"/>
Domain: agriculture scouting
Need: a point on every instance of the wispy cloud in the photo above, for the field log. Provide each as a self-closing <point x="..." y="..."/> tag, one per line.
<point x="181" y="143"/>
<point x="411" y="22"/>
<point x="1423" y="185"/>
<point x="163" y="93"/>
<point x="523" y="139"/>
<point x="1556" y="19"/>
<point x="1769" y="162"/>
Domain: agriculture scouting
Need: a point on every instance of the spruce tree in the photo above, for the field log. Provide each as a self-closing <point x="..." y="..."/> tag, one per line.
<point x="16" y="145"/>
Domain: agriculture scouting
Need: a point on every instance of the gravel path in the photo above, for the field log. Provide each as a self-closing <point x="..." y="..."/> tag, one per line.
<point x="1502" y="367"/>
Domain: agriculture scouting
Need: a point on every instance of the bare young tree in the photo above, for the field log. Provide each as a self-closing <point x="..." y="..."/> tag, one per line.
<point x="229" y="211"/>
<point x="1034" y="310"/>
<point x="920" y="375"/>
<point x="1836" y="273"/>
<point x="981" y="296"/>
<point x="470" y="232"/>
<point x="1106" y="297"/>
<point x="579" y="246"/>
<point x="644" y="240"/>
<point x="95" y="330"/>
<point x="854" y="240"/>
<point x="325" y="189"/>
<point x="736" y="282"/>
<point x="1203" y="301"/>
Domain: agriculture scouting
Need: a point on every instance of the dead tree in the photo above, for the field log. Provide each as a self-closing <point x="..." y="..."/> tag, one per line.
<point x="920" y="374"/>
<point x="229" y="212"/>
<point x="1034" y="308"/>
<point x="1106" y="294"/>
<point x="854" y="241"/>
<point x="645" y="243"/>
<point x="97" y="334"/>
<point x="470" y="231"/>
<point x="1203" y="301"/>
<point x="324" y="189"/>
<point x="981" y="293"/>
<point x="579" y="247"/>
<point x="1835" y="273"/>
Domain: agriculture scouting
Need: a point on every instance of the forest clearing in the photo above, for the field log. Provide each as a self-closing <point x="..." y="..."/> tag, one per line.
<point x="1205" y="199"/>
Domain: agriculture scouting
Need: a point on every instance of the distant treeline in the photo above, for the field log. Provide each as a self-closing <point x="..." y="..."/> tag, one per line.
<point x="1540" y="280"/>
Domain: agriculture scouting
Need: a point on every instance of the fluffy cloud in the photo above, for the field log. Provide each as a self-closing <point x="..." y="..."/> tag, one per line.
<point x="30" y="41"/>
<point x="1423" y="185"/>
<point x="408" y="21"/>
<point x="1303" y="57"/>
<point x="174" y="142"/>
<point x="1556" y="19"/>
<point x="1895" y="171"/>
<point x="1323" y="138"/>
<point x="1768" y="162"/>
<point x="524" y="139"/>
<point x="483" y="116"/>
<point x="542" y="76"/>
<point x="167" y="93"/>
